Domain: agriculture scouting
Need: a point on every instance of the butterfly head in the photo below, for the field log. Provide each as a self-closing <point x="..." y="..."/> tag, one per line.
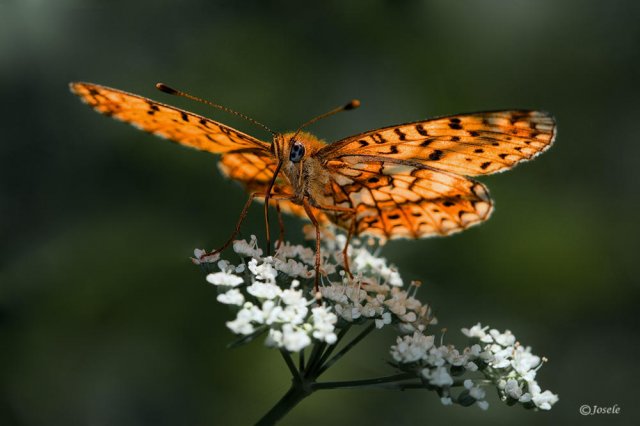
<point x="296" y="153"/>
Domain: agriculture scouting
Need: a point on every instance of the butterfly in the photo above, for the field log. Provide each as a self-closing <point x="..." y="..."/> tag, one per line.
<point x="410" y="180"/>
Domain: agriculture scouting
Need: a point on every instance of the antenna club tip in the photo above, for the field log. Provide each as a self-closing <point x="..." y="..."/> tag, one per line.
<point x="166" y="89"/>
<point x="355" y="103"/>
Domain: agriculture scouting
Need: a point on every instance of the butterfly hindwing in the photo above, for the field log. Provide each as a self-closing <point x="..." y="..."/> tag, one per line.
<point x="406" y="201"/>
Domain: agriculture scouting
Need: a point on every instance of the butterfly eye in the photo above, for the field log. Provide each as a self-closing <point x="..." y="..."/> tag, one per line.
<point x="297" y="152"/>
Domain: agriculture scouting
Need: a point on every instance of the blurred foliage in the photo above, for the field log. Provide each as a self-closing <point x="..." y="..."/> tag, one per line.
<point x="104" y="321"/>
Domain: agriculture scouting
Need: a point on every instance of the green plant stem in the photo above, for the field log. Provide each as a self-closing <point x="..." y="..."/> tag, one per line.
<point x="389" y="382"/>
<point x="292" y="367"/>
<point x="327" y="353"/>
<point x="301" y="363"/>
<point x="294" y="395"/>
<point x="314" y="359"/>
<point x="300" y="389"/>
<point x="322" y="368"/>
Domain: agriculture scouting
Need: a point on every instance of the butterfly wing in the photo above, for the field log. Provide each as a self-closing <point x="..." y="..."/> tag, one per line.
<point x="467" y="144"/>
<point x="405" y="201"/>
<point x="166" y="121"/>
<point x="244" y="158"/>
<point x="409" y="181"/>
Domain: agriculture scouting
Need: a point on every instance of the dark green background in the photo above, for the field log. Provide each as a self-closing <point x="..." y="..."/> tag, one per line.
<point x="103" y="320"/>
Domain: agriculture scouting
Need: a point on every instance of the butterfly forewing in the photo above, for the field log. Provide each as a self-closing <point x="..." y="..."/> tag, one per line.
<point x="466" y="144"/>
<point x="166" y="121"/>
<point x="249" y="166"/>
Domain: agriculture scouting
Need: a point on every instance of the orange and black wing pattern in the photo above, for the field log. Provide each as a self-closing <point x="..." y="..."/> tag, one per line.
<point x="406" y="201"/>
<point x="411" y="180"/>
<point x="466" y="144"/>
<point x="163" y="120"/>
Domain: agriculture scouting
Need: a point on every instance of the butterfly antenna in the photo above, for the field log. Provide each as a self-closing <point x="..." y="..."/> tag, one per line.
<point x="351" y="105"/>
<point x="171" y="91"/>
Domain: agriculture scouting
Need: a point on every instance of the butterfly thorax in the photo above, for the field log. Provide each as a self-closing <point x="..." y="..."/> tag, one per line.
<point x="303" y="170"/>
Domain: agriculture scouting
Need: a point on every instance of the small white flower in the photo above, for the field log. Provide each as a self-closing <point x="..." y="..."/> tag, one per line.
<point x="383" y="320"/>
<point x="477" y="393"/>
<point x="542" y="400"/>
<point x="231" y="297"/>
<point x="264" y="290"/>
<point x="292" y="268"/>
<point x="502" y="358"/>
<point x="477" y="331"/>
<point x="484" y="405"/>
<point x="437" y="356"/>
<point x="270" y="312"/>
<point x="248" y="249"/>
<point x="473" y="351"/>
<point x="438" y="376"/>
<point x="395" y="279"/>
<point x="224" y="279"/>
<point x="294" y="298"/>
<point x="446" y="400"/>
<point x="512" y="389"/>
<point x="295" y="314"/>
<point x="263" y="271"/>
<point x="471" y="366"/>
<point x="294" y="340"/>
<point x="526" y="397"/>
<point x="200" y="257"/>
<point x="503" y="339"/>
<point x="454" y="357"/>
<point x="242" y="323"/>
<point x="274" y="338"/>
<point x="323" y="324"/>
<point x="524" y="361"/>
<point x="412" y="348"/>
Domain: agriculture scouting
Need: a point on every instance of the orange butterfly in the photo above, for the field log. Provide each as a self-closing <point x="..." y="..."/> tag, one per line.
<point x="405" y="181"/>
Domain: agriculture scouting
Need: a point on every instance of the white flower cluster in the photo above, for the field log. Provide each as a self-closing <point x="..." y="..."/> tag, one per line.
<point x="498" y="357"/>
<point x="274" y="296"/>
<point x="512" y="367"/>
<point x="270" y="299"/>
<point x="364" y="298"/>
<point x="265" y="306"/>
<point x="374" y="292"/>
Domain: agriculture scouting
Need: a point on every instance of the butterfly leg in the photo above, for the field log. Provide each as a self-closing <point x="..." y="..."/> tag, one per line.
<point x="243" y="215"/>
<point x="281" y="225"/>
<point x="350" y="231"/>
<point x="307" y="209"/>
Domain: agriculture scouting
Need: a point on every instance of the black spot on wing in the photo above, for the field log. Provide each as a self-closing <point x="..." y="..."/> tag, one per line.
<point x="400" y="134"/>
<point x="435" y="155"/>
<point x="421" y="130"/>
